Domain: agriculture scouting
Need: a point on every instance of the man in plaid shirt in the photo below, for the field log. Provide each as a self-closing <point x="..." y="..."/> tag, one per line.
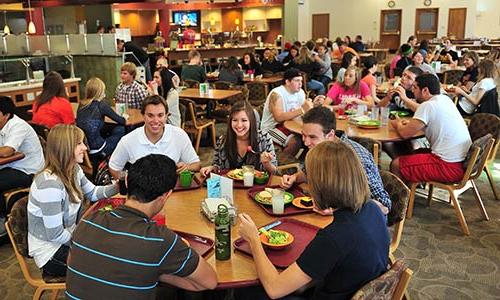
<point x="319" y="125"/>
<point x="130" y="91"/>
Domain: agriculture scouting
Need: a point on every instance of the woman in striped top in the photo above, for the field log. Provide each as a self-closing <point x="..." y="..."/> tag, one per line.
<point x="55" y="199"/>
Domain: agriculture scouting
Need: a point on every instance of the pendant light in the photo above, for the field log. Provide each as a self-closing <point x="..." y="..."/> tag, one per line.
<point x="6" y="29"/>
<point x="31" y="25"/>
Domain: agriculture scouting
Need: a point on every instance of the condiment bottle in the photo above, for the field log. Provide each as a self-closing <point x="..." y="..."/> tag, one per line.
<point x="222" y="233"/>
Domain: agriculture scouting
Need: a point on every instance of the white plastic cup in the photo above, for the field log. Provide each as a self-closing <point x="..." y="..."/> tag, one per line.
<point x="361" y="110"/>
<point x="248" y="175"/>
<point x="278" y="202"/>
<point x="384" y="115"/>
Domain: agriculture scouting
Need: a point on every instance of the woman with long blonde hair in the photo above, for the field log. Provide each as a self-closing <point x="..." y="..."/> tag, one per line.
<point x="56" y="196"/>
<point x="349" y="252"/>
<point x="90" y="118"/>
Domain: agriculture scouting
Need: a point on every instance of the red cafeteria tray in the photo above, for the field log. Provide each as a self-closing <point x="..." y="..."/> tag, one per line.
<point x="303" y="234"/>
<point x="200" y="244"/>
<point x="195" y="183"/>
<point x="289" y="210"/>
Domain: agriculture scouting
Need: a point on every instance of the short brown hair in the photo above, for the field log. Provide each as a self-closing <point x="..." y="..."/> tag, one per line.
<point x="336" y="177"/>
<point x="154" y="100"/>
<point x="130" y="68"/>
<point x="193" y="53"/>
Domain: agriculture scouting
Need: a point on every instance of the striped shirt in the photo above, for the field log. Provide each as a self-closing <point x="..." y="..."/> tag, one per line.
<point x="121" y="254"/>
<point x="52" y="216"/>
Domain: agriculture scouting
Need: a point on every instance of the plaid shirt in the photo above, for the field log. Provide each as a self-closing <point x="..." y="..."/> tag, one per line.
<point x="131" y="94"/>
<point x="371" y="170"/>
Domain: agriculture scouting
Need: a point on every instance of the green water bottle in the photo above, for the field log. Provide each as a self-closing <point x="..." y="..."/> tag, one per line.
<point x="222" y="233"/>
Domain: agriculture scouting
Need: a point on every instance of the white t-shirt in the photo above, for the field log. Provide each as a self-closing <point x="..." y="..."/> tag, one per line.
<point x="20" y="136"/>
<point x="289" y="101"/>
<point x="174" y="143"/>
<point x="445" y="128"/>
<point x="485" y="84"/>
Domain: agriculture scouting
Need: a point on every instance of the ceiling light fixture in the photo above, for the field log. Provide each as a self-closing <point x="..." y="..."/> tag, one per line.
<point x="31" y="25"/>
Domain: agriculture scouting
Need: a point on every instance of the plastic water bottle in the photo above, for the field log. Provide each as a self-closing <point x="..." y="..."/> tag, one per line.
<point x="222" y="233"/>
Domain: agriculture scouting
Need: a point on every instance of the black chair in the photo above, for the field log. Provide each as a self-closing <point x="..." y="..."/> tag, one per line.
<point x="489" y="103"/>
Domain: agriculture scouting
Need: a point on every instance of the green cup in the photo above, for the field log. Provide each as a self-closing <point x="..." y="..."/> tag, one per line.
<point x="186" y="178"/>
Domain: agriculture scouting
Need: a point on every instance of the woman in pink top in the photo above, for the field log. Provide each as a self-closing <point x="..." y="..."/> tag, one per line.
<point x="369" y="68"/>
<point x="350" y="93"/>
<point x="51" y="107"/>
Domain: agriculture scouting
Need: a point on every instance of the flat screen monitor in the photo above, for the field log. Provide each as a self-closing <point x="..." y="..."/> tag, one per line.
<point x="186" y="18"/>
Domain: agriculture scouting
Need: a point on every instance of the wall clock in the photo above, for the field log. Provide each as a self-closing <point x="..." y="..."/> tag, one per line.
<point x="391" y="4"/>
<point x="427" y="2"/>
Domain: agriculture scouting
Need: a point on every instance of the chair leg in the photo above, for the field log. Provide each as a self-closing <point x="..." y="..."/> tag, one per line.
<point x="38" y="293"/>
<point x="214" y="142"/>
<point x="479" y="201"/>
<point x="411" y="201"/>
<point x="198" y="139"/>
<point x="492" y="182"/>
<point x="54" y="295"/>
<point x="458" y="210"/>
<point x="429" y="195"/>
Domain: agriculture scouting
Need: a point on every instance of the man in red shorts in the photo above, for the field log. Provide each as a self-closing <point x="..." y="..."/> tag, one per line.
<point x="445" y="129"/>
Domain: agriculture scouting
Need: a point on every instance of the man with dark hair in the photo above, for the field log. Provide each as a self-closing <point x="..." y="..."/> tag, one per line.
<point x="343" y="48"/>
<point x="358" y="44"/>
<point x="16" y="135"/>
<point x="320" y="125"/>
<point x="122" y="254"/>
<point x="138" y="52"/>
<point x="444" y="128"/>
<point x="401" y="96"/>
<point x="154" y="137"/>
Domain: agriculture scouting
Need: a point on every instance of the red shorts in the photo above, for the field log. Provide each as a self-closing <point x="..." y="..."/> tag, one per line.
<point x="425" y="167"/>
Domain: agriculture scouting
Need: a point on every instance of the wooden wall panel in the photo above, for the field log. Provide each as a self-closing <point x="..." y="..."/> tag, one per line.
<point x="228" y="18"/>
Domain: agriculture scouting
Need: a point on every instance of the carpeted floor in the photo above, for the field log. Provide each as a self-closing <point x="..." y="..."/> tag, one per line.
<point x="446" y="264"/>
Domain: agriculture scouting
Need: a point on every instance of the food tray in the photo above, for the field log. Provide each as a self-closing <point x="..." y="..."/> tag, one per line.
<point x="289" y="210"/>
<point x="200" y="244"/>
<point x="303" y="233"/>
<point x="195" y="184"/>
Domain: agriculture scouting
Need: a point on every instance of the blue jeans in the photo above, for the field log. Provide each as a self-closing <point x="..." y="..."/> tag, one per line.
<point x="316" y="86"/>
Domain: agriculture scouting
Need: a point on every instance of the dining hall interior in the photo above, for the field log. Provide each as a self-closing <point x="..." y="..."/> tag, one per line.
<point x="249" y="149"/>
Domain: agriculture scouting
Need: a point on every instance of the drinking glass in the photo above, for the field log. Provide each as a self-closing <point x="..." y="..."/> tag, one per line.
<point x="375" y="112"/>
<point x="384" y="115"/>
<point x="362" y="108"/>
<point x="248" y="175"/>
<point x="278" y="201"/>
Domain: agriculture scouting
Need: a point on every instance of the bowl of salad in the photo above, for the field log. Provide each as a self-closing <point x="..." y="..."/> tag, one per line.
<point x="276" y="239"/>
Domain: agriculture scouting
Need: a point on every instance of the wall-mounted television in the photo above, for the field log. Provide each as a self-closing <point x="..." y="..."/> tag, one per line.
<point x="186" y="18"/>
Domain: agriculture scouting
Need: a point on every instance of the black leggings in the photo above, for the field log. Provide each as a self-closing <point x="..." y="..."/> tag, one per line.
<point x="57" y="266"/>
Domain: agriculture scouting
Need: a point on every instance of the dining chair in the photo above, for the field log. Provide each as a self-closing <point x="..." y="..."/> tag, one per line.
<point x="191" y="83"/>
<point x="392" y="284"/>
<point x="257" y="92"/>
<point x="475" y="162"/>
<point x="17" y="229"/>
<point x="221" y="110"/>
<point x="452" y="76"/>
<point x="371" y="145"/>
<point x="196" y="125"/>
<point x="399" y="194"/>
<point x="222" y="85"/>
<point x="480" y="125"/>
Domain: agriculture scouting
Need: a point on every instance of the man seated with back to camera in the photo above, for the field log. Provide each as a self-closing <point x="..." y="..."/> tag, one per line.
<point x="155" y="137"/>
<point x="122" y="254"/>
<point x="319" y="124"/>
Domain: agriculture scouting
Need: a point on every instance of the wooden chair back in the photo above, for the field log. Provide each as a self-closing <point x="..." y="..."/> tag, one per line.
<point x="222" y="85"/>
<point x="191" y="83"/>
<point x="482" y="124"/>
<point x="373" y="146"/>
<point x="257" y="92"/>
<point x="452" y="76"/>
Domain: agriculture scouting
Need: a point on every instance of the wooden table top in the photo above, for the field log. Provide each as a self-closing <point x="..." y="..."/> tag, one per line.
<point x="182" y="211"/>
<point x="194" y="93"/>
<point x="134" y="115"/>
<point x="268" y="80"/>
<point x="9" y="159"/>
<point x="382" y="134"/>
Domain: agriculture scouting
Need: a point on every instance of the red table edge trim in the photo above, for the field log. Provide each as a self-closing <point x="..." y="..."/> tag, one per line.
<point x="237" y="284"/>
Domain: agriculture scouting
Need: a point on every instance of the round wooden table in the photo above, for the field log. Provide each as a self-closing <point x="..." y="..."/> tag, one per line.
<point x="182" y="213"/>
<point x="383" y="133"/>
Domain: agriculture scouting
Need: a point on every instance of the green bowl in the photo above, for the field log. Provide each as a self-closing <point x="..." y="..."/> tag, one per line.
<point x="400" y="113"/>
<point x="262" y="179"/>
<point x="369" y="123"/>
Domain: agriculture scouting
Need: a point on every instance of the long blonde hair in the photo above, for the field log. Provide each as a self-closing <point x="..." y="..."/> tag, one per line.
<point x="95" y="89"/>
<point x="60" y="157"/>
<point x="336" y="177"/>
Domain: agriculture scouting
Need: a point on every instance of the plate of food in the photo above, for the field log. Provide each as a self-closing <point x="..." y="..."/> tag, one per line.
<point x="276" y="239"/>
<point x="303" y="202"/>
<point x="265" y="197"/>
<point x="368" y="124"/>
<point x="236" y="174"/>
<point x="400" y="113"/>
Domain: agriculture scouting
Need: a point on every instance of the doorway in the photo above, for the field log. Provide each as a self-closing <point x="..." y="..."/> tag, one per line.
<point x="456" y="23"/>
<point x="320" y="26"/>
<point x="390" y="28"/>
<point x="426" y="23"/>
